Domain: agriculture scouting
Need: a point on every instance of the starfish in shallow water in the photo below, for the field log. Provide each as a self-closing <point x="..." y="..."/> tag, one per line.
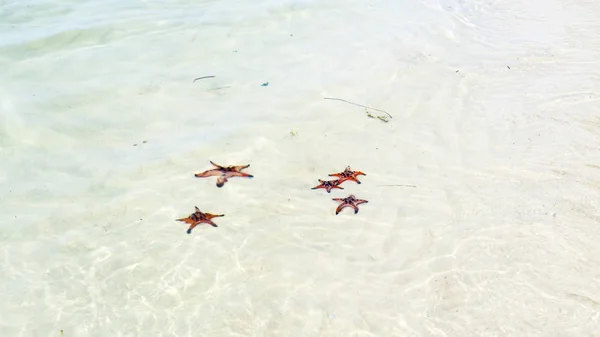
<point x="349" y="201"/>
<point x="348" y="174"/>
<point x="328" y="185"/>
<point x="224" y="173"/>
<point x="198" y="217"/>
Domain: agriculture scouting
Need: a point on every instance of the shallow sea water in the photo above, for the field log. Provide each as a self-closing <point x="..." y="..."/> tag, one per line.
<point x="483" y="187"/>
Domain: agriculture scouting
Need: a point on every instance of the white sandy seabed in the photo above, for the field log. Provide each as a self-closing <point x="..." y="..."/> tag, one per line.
<point x="495" y="129"/>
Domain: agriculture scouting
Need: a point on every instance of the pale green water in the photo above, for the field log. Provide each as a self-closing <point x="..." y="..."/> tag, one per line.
<point x="494" y="124"/>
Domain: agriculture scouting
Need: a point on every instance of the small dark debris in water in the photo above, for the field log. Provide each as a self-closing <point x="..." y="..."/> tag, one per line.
<point x="508" y="67"/>
<point x="201" y="78"/>
<point x="264" y="84"/>
<point x="134" y="144"/>
<point x="145" y="142"/>
<point x="219" y="88"/>
<point x="381" y="118"/>
<point x="235" y="51"/>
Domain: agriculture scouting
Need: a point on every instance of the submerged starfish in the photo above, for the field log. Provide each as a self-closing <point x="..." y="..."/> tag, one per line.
<point x="348" y="174"/>
<point x="198" y="217"/>
<point x="349" y="201"/>
<point x="328" y="185"/>
<point x="224" y="172"/>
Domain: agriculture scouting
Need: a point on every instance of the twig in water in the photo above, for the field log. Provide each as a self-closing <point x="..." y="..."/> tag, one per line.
<point x="364" y="106"/>
<point x="400" y="185"/>
<point x="201" y="78"/>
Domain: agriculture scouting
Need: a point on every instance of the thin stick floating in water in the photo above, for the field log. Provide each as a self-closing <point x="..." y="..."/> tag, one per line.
<point x="201" y="78"/>
<point x="364" y="106"/>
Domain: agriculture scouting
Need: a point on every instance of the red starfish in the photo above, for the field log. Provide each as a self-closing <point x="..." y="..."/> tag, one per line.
<point x="198" y="217"/>
<point x="224" y="172"/>
<point x="348" y="174"/>
<point x="328" y="185"/>
<point x="349" y="201"/>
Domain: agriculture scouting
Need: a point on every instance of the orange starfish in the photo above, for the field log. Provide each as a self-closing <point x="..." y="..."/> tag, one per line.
<point x="328" y="185"/>
<point x="349" y="201"/>
<point x="348" y="174"/>
<point x="224" y="172"/>
<point x="198" y="217"/>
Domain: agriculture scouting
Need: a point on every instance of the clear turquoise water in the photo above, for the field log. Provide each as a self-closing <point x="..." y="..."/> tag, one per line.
<point x="102" y="127"/>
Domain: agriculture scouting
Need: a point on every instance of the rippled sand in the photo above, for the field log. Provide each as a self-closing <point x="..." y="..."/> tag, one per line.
<point x="483" y="214"/>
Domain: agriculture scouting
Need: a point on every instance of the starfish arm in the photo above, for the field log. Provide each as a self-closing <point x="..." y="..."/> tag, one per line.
<point x="361" y="201"/>
<point x="209" y="173"/>
<point x="321" y="185"/>
<point x="338" y="199"/>
<point x="335" y="175"/>
<point x="215" y="165"/>
<point x="355" y="208"/>
<point x="189" y="231"/>
<point x="210" y="222"/>
<point x="240" y="167"/>
<point x="238" y="174"/>
<point x="340" y="207"/>
<point x="210" y="216"/>
<point x="186" y="220"/>
<point x="353" y="179"/>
